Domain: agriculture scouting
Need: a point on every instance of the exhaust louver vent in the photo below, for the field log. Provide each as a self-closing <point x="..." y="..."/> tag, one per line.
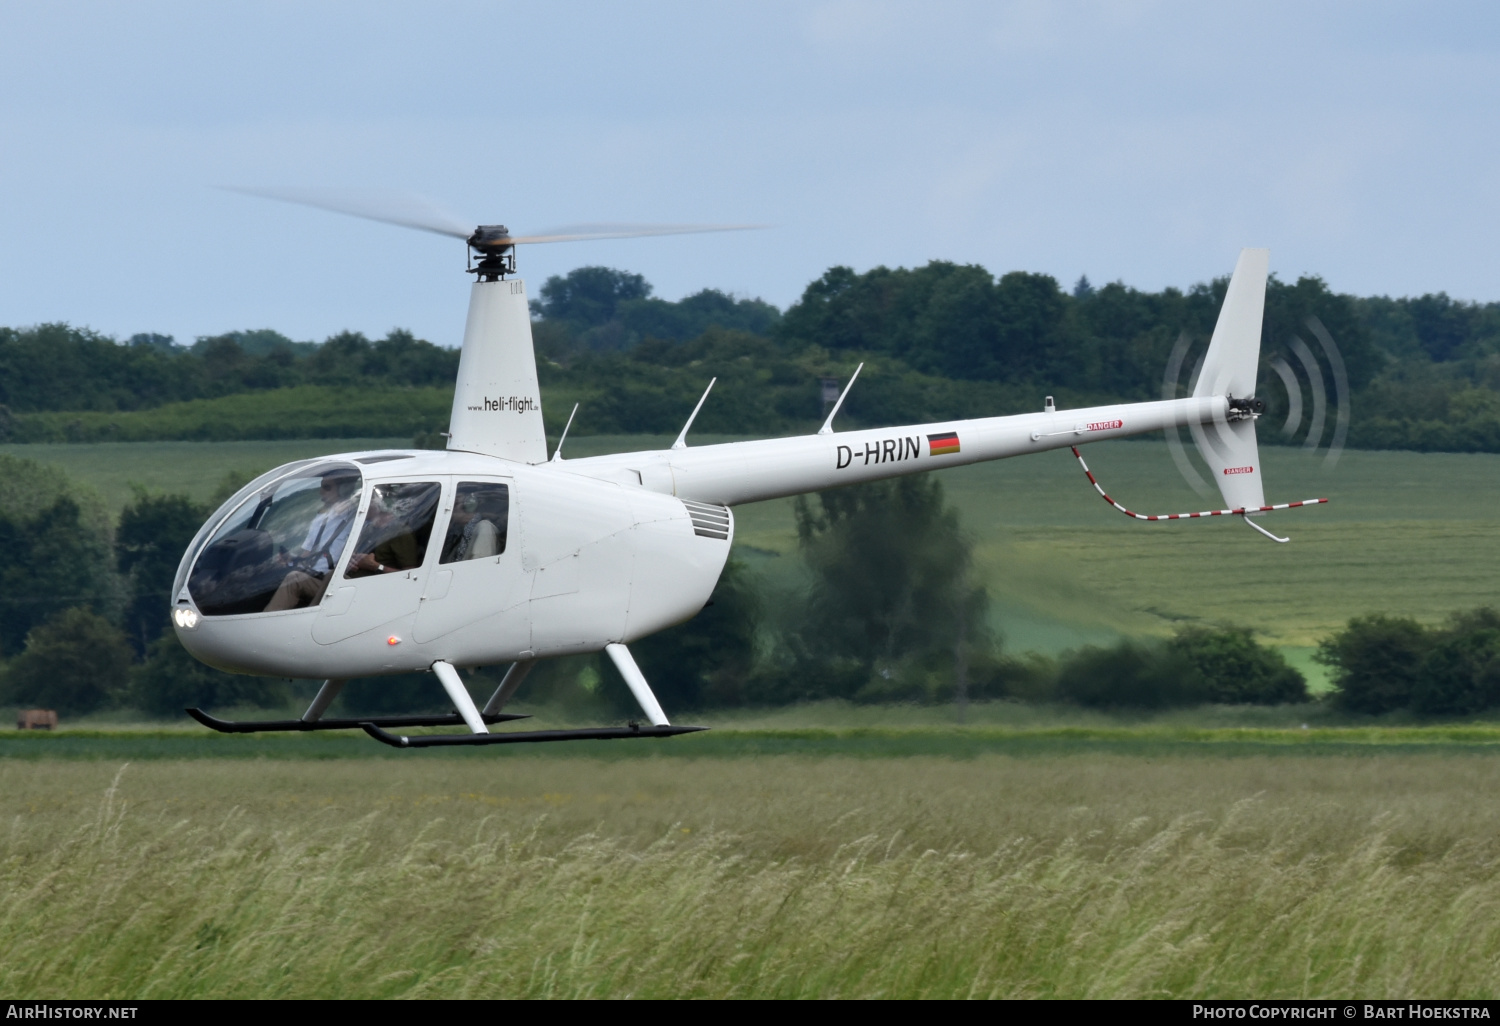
<point x="709" y="521"/>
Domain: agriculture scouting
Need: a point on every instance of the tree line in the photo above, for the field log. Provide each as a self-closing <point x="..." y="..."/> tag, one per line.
<point x="940" y="341"/>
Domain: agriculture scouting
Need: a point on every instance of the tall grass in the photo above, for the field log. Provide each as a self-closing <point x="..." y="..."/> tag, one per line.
<point x="789" y="877"/>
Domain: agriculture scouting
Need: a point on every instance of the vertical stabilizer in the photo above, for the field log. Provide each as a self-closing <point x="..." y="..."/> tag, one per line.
<point x="1229" y="368"/>
<point x="1234" y="352"/>
<point x="497" y="406"/>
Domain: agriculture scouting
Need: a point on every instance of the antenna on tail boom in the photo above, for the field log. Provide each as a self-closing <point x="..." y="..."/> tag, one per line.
<point x="827" y="428"/>
<point x="681" y="442"/>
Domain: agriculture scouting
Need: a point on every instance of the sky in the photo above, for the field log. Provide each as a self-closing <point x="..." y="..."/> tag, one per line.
<point x="1140" y="142"/>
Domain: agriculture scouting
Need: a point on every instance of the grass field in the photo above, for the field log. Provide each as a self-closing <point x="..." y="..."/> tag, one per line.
<point x="827" y="850"/>
<point x="1125" y="871"/>
<point x="1406" y="533"/>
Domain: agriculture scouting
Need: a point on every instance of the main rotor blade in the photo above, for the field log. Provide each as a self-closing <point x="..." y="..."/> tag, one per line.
<point x="584" y="232"/>
<point x="397" y="208"/>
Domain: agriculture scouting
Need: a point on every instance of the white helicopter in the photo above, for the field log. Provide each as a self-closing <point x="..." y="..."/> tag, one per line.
<point x="398" y="561"/>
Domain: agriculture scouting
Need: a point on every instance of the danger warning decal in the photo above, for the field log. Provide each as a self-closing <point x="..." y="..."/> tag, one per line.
<point x="1105" y="425"/>
<point x="1239" y="470"/>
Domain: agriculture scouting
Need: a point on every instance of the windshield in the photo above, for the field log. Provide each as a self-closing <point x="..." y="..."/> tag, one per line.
<point x="277" y="550"/>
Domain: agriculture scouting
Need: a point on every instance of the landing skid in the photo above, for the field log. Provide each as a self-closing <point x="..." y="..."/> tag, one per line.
<point x="522" y="737"/>
<point x="256" y="726"/>
<point x="465" y="713"/>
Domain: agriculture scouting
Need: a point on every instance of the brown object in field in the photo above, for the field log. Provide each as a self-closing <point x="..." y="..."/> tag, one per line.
<point x="36" y="719"/>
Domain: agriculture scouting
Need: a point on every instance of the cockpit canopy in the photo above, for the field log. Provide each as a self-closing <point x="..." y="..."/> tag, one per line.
<point x="280" y="544"/>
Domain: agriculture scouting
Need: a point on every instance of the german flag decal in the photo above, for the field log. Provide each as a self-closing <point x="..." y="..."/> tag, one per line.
<point x="942" y="445"/>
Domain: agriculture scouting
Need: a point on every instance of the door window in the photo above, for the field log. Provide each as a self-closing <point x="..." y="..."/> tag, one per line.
<point x="481" y="519"/>
<point x="397" y="529"/>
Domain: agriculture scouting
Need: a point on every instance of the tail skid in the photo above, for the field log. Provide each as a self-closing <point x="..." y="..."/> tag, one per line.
<point x="1240" y="512"/>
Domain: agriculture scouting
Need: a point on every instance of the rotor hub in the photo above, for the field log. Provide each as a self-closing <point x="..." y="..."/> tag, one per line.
<point x="496" y="250"/>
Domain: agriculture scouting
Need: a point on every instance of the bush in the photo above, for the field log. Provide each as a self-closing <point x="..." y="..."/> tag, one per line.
<point x="75" y="662"/>
<point x="171" y="680"/>
<point x="1376" y="662"/>
<point x="893" y="598"/>
<point x="58" y="540"/>
<point x="1235" y="670"/>
<point x="1461" y="672"/>
<point x="1130" y="675"/>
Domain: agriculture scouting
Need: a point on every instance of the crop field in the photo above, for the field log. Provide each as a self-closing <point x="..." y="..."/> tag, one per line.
<point x="1103" y="864"/>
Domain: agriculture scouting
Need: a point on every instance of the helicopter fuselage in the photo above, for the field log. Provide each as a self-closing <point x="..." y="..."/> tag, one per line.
<point x="580" y="563"/>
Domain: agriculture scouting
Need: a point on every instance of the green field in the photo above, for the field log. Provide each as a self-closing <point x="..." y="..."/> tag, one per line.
<point x="828" y="850"/>
<point x="1406" y="533"/>
<point x="1132" y="870"/>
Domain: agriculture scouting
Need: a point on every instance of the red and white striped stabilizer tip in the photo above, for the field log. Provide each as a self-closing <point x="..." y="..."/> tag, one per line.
<point x="1188" y="516"/>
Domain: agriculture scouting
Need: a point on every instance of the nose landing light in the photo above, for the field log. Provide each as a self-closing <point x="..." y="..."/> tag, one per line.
<point x="185" y="617"/>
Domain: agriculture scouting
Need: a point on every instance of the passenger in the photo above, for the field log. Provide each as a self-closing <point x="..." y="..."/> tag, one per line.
<point x="319" y="552"/>
<point x="480" y="536"/>
<point x="397" y="551"/>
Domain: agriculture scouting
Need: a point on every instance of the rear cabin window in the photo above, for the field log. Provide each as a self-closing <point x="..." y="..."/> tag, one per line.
<point x="481" y="518"/>
<point x="396" y="530"/>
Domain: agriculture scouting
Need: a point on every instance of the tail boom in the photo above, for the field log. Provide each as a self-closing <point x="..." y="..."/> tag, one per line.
<point x="732" y="473"/>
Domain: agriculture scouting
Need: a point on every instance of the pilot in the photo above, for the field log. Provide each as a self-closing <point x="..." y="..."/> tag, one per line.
<point x="326" y="536"/>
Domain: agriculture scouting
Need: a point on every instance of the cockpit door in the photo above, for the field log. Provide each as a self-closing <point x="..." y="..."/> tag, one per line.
<point x="379" y="581"/>
<point x="477" y="579"/>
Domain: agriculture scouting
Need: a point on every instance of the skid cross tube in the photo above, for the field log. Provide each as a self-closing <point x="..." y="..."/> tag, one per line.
<point x="256" y="726"/>
<point x="524" y="736"/>
<point x="1240" y="512"/>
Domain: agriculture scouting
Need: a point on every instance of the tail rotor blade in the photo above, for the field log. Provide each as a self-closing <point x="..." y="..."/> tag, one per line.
<point x="1171" y="389"/>
<point x="1293" y="396"/>
<point x="1341" y="389"/>
<point x="1319" y="393"/>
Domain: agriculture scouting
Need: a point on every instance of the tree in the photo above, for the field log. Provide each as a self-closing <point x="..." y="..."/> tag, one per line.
<point x="76" y="662"/>
<point x="154" y="532"/>
<point x="892" y="594"/>
<point x="58" y="541"/>
<point x="1236" y="670"/>
<point x="1376" y="662"/>
<point x="1460" y="674"/>
<point x="171" y="680"/>
<point x="589" y="296"/>
<point x="1130" y="675"/>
